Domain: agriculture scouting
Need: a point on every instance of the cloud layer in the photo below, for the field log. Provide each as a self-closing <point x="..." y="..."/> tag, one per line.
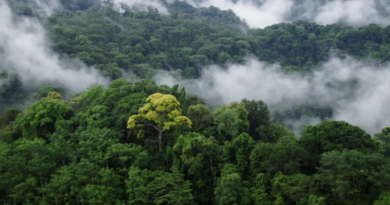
<point x="357" y="91"/>
<point x="24" y="50"/>
<point x="262" y="13"/>
<point x="144" y="4"/>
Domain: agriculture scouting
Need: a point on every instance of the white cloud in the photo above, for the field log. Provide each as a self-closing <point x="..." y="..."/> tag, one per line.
<point x="24" y="50"/>
<point x="144" y="4"/>
<point x="365" y="104"/>
<point x="262" y="13"/>
<point x="270" y="12"/>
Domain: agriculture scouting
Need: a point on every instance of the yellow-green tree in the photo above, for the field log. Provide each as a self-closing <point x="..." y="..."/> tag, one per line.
<point x="161" y="112"/>
<point x="54" y="95"/>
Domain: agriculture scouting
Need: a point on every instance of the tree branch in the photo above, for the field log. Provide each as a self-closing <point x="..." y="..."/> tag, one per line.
<point x="151" y="125"/>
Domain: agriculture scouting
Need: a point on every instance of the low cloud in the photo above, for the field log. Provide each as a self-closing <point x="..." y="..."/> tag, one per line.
<point x="25" y="51"/>
<point x="262" y="13"/>
<point x="47" y="6"/>
<point x="144" y="4"/>
<point x="256" y="14"/>
<point x="355" y="90"/>
<point x="43" y="7"/>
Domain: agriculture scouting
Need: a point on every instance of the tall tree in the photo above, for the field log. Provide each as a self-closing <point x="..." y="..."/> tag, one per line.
<point x="199" y="156"/>
<point x="232" y="120"/>
<point x="238" y="152"/>
<point x="42" y="115"/>
<point x="334" y="135"/>
<point x="161" y="112"/>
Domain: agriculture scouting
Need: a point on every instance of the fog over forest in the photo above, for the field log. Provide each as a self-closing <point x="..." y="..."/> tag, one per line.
<point x="215" y="101"/>
<point x="27" y="53"/>
<point x="26" y="50"/>
<point x="364" y="105"/>
<point x="262" y="13"/>
<point x="237" y="82"/>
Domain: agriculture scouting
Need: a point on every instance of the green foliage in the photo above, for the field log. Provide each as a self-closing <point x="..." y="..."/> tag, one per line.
<point x="229" y="189"/>
<point x="81" y="152"/>
<point x="351" y="175"/>
<point x="285" y="156"/>
<point x="7" y="120"/>
<point x="158" y="188"/>
<point x="289" y="188"/>
<point x="40" y="118"/>
<point x="384" y="199"/>
<point x="231" y="120"/>
<point x="161" y="112"/>
<point x="44" y="91"/>
<point x="259" y="120"/>
<point x="238" y="152"/>
<point x="54" y="95"/>
<point x="315" y="200"/>
<point x="3" y="74"/>
<point x="199" y="157"/>
<point x="334" y="135"/>
<point x="260" y="189"/>
<point x="384" y="143"/>
<point x="200" y="116"/>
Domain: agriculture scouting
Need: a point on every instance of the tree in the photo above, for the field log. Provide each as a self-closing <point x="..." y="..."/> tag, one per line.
<point x="199" y="155"/>
<point x="229" y="189"/>
<point x="259" y="119"/>
<point x="200" y="116"/>
<point x="54" y="95"/>
<point x="238" y="152"/>
<point x="231" y="120"/>
<point x="42" y="115"/>
<point x="8" y="118"/>
<point x="32" y="164"/>
<point x="170" y="188"/>
<point x="291" y="188"/>
<point x="351" y="175"/>
<point x="161" y="112"/>
<point x="260" y="189"/>
<point x="384" y="199"/>
<point x="334" y="135"/>
<point x="157" y="187"/>
<point x="284" y="156"/>
<point x="384" y="143"/>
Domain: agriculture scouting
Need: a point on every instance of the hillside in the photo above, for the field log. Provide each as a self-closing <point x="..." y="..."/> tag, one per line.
<point x="106" y="103"/>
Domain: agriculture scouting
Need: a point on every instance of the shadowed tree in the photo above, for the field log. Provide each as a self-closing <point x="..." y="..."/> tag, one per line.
<point x="232" y="120"/>
<point x="42" y="115"/>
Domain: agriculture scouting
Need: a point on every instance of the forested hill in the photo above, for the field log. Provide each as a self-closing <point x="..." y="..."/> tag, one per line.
<point x="190" y="38"/>
<point x="143" y="143"/>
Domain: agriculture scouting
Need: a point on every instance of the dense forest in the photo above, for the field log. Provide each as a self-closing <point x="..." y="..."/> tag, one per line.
<point x="137" y="142"/>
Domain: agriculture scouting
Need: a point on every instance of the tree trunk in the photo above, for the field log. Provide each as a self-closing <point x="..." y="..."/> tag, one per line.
<point x="159" y="139"/>
<point x="212" y="170"/>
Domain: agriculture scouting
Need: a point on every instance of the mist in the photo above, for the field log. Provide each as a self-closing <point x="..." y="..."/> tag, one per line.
<point x="26" y="52"/>
<point x="144" y="4"/>
<point x="42" y="7"/>
<point x="355" y="90"/>
<point x="262" y="13"/>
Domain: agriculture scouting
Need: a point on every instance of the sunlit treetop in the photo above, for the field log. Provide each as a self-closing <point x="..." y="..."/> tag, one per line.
<point x="54" y="95"/>
<point x="161" y="112"/>
<point x="164" y="110"/>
